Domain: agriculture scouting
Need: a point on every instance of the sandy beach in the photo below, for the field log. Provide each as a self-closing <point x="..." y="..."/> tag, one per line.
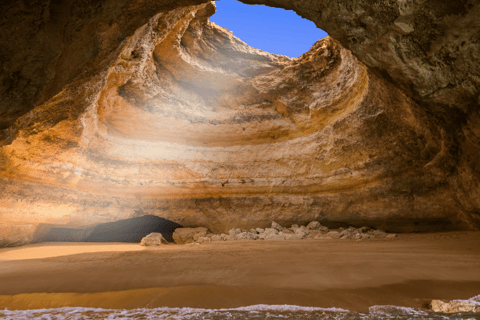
<point x="409" y="271"/>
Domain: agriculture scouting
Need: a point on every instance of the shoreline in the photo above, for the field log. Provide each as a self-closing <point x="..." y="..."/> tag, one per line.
<point x="407" y="271"/>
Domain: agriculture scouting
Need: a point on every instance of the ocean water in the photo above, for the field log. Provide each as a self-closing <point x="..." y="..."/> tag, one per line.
<point x="258" y="312"/>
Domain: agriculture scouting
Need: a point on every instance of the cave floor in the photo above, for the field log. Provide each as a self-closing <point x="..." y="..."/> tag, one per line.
<point x="409" y="270"/>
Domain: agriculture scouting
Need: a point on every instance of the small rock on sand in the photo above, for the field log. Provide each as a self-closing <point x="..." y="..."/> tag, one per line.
<point x="153" y="239"/>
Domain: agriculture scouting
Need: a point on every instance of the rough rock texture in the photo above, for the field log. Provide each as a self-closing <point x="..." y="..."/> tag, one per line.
<point x="144" y="107"/>
<point x="455" y="306"/>
<point x="153" y="239"/>
<point x="189" y="235"/>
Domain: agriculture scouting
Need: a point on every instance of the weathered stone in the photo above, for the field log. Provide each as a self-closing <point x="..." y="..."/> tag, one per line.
<point x="391" y="235"/>
<point x="276" y="226"/>
<point x="270" y="231"/>
<point x="314" y="225"/>
<point x="454" y="306"/>
<point x="153" y="239"/>
<point x="302" y="230"/>
<point x="379" y="234"/>
<point x="246" y="236"/>
<point x="188" y="235"/>
<point x="333" y="235"/>
<point x="274" y="237"/>
<point x="293" y="237"/>
<point x="234" y="232"/>
<point x="217" y="237"/>
<point x="363" y="229"/>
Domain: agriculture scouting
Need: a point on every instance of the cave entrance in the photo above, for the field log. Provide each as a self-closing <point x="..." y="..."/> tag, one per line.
<point x="273" y="30"/>
<point x="128" y="230"/>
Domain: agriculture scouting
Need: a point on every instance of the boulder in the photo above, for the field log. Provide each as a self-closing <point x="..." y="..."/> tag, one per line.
<point x="270" y="231"/>
<point x="276" y="226"/>
<point x="274" y="237"/>
<point x="391" y="235"/>
<point x="153" y="239"/>
<point x="333" y="234"/>
<point x="245" y="236"/>
<point x="302" y="231"/>
<point x="293" y="237"/>
<point x="314" y="225"/>
<point x="233" y="233"/>
<point x="454" y="306"/>
<point x="379" y="234"/>
<point x="217" y="237"/>
<point x="188" y="235"/>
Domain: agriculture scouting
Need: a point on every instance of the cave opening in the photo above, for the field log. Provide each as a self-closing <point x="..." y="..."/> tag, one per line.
<point x="126" y="230"/>
<point x="270" y="29"/>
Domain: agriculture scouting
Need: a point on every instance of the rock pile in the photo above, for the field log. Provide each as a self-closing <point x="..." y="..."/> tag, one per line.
<point x="314" y="230"/>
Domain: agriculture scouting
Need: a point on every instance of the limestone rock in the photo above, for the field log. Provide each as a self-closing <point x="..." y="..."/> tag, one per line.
<point x="454" y="306"/>
<point x="274" y="237"/>
<point x="333" y="234"/>
<point x="188" y="235"/>
<point x="217" y="237"/>
<point x="379" y="234"/>
<point x="153" y="239"/>
<point x="276" y="226"/>
<point x="111" y="109"/>
<point x="243" y="236"/>
<point x="293" y="236"/>
<point x="314" y="225"/>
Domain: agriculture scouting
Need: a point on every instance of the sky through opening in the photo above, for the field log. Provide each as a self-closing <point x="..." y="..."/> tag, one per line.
<point x="270" y="29"/>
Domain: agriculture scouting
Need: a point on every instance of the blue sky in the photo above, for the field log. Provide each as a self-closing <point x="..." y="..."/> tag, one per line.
<point x="270" y="29"/>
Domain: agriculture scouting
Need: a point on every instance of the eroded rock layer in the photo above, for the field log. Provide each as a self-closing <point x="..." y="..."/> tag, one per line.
<point x="185" y="121"/>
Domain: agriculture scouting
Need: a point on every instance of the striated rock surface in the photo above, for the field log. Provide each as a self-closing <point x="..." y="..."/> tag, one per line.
<point x="171" y="115"/>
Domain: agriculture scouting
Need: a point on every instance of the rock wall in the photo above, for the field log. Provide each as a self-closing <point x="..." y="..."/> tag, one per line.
<point x="173" y="116"/>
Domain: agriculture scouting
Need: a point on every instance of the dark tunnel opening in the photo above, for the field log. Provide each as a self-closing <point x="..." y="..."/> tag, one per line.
<point x="128" y="230"/>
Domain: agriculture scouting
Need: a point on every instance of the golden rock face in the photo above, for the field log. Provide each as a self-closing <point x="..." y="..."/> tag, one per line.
<point x="185" y="121"/>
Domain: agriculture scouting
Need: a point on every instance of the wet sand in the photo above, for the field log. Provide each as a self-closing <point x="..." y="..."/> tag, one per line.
<point x="406" y="271"/>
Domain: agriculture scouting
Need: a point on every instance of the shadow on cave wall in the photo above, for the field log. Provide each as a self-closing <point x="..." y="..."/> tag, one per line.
<point x="129" y="230"/>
